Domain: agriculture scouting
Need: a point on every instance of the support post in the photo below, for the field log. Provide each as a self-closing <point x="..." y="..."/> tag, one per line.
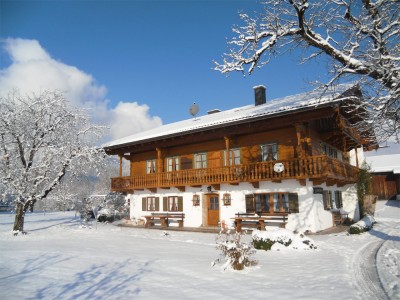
<point x="227" y="156"/>
<point x="120" y="165"/>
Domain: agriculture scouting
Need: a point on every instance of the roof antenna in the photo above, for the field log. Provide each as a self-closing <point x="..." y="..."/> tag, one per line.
<point x="194" y="109"/>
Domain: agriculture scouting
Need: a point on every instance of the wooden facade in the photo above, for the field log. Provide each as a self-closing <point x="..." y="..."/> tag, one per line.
<point x="386" y="186"/>
<point x="316" y="148"/>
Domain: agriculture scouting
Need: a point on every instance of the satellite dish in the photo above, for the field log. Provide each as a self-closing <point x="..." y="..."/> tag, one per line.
<point x="279" y="167"/>
<point x="194" y="109"/>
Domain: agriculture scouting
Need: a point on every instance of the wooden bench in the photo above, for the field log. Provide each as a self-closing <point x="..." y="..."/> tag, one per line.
<point x="165" y="219"/>
<point x="259" y="220"/>
<point x="340" y="217"/>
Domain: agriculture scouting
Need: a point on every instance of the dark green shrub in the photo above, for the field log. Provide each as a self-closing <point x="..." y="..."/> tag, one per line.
<point x="261" y="244"/>
<point x="104" y="218"/>
<point x="356" y="230"/>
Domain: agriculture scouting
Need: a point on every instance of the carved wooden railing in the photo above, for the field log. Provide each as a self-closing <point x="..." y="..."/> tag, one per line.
<point x="313" y="167"/>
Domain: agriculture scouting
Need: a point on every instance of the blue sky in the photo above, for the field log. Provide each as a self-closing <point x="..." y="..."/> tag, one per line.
<point x="138" y="64"/>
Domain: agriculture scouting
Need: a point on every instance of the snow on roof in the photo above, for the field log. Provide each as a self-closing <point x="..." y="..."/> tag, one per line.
<point x="384" y="163"/>
<point x="235" y="115"/>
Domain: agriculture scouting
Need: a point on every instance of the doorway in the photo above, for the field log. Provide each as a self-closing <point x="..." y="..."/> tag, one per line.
<point x="212" y="209"/>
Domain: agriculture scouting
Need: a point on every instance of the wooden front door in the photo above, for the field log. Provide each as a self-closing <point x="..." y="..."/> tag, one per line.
<point x="213" y="210"/>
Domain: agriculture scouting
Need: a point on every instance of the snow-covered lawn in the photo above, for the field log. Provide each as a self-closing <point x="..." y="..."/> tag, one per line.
<point x="59" y="259"/>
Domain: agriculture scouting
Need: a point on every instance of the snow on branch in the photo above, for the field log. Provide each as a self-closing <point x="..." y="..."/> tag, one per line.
<point x="42" y="139"/>
<point x="361" y="40"/>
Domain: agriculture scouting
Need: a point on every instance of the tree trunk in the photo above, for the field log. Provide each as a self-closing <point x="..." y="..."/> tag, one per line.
<point x="20" y="215"/>
<point x="19" y="218"/>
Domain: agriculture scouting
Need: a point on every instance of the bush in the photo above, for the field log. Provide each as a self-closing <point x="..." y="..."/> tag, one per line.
<point x="105" y="218"/>
<point x="280" y="239"/>
<point x="363" y="225"/>
<point x="236" y="253"/>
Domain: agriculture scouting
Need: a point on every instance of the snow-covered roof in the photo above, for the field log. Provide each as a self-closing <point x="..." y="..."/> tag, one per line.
<point x="247" y="113"/>
<point x="384" y="163"/>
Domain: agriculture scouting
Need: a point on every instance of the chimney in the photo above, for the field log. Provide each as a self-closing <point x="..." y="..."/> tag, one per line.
<point x="259" y="93"/>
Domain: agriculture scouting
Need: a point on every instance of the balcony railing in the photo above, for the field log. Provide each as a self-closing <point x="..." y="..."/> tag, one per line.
<point x="314" y="167"/>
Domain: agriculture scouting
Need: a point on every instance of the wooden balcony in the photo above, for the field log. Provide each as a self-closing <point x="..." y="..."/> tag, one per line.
<point x="320" y="169"/>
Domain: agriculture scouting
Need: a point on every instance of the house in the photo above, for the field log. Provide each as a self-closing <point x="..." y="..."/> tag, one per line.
<point x="296" y="157"/>
<point x="385" y="171"/>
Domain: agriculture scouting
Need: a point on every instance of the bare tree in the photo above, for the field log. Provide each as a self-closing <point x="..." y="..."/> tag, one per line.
<point x="41" y="140"/>
<point x="361" y="38"/>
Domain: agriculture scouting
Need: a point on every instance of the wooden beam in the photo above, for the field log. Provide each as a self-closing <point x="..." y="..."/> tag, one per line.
<point x="153" y="190"/>
<point x="227" y="154"/>
<point x="256" y="184"/>
<point x="160" y="163"/>
<point x="356" y="150"/>
<point x="120" y="165"/>
<point x="181" y="188"/>
<point x="318" y="181"/>
<point x="302" y="182"/>
<point x="216" y="187"/>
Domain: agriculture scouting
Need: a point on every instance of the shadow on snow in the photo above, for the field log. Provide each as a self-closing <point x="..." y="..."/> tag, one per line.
<point x="109" y="280"/>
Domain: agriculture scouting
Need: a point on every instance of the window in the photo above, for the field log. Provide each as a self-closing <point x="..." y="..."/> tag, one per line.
<point x="173" y="203"/>
<point x="151" y="166"/>
<point x="338" y="199"/>
<point x="214" y="203"/>
<point x="327" y="199"/>
<point x="234" y="157"/>
<point x="200" y="160"/>
<point x="280" y="202"/>
<point x="173" y="164"/>
<point x="150" y="204"/>
<point x="272" y="203"/>
<point x="331" y="151"/>
<point x="262" y="202"/>
<point x="269" y="152"/>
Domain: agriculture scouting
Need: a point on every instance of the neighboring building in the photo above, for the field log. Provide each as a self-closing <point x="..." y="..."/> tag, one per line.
<point x="385" y="170"/>
<point x="288" y="156"/>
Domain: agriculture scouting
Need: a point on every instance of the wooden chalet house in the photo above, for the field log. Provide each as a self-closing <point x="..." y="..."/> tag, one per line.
<point x="287" y="157"/>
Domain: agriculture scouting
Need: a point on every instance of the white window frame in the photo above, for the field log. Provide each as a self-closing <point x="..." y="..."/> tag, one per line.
<point x="200" y="160"/>
<point x="151" y="166"/>
<point x="234" y="157"/>
<point x="269" y="149"/>
<point x="173" y="163"/>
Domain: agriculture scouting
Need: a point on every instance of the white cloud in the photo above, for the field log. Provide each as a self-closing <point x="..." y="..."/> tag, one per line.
<point x="32" y="69"/>
<point x="131" y="117"/>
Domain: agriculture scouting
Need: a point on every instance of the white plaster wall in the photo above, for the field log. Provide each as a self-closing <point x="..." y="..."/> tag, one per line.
<point x="360" y="155"/>
<point x="312" y="216"/>
<point x="350" y="201"/>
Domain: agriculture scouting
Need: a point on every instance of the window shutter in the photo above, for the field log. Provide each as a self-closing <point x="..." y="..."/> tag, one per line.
<point x="144" y="208"/>
<point x="293" y="202"/>
<point x="180" y="203"/>
<point x="325" y="197"/>
<point x="165" y="203"/>
<point x="157" y="204"/>
<point x="250" y="203"/>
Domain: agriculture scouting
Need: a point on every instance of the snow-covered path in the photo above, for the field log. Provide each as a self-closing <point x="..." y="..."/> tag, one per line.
<point x="388" y="255"/>
<point x="59" y="259"/>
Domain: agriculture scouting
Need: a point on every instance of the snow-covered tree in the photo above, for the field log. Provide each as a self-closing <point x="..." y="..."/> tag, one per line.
<point x="360" y="38"/>
<point x="42" y="138"/>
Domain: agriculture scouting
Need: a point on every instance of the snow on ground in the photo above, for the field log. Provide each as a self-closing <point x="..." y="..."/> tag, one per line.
<point x="58" y="259"/>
